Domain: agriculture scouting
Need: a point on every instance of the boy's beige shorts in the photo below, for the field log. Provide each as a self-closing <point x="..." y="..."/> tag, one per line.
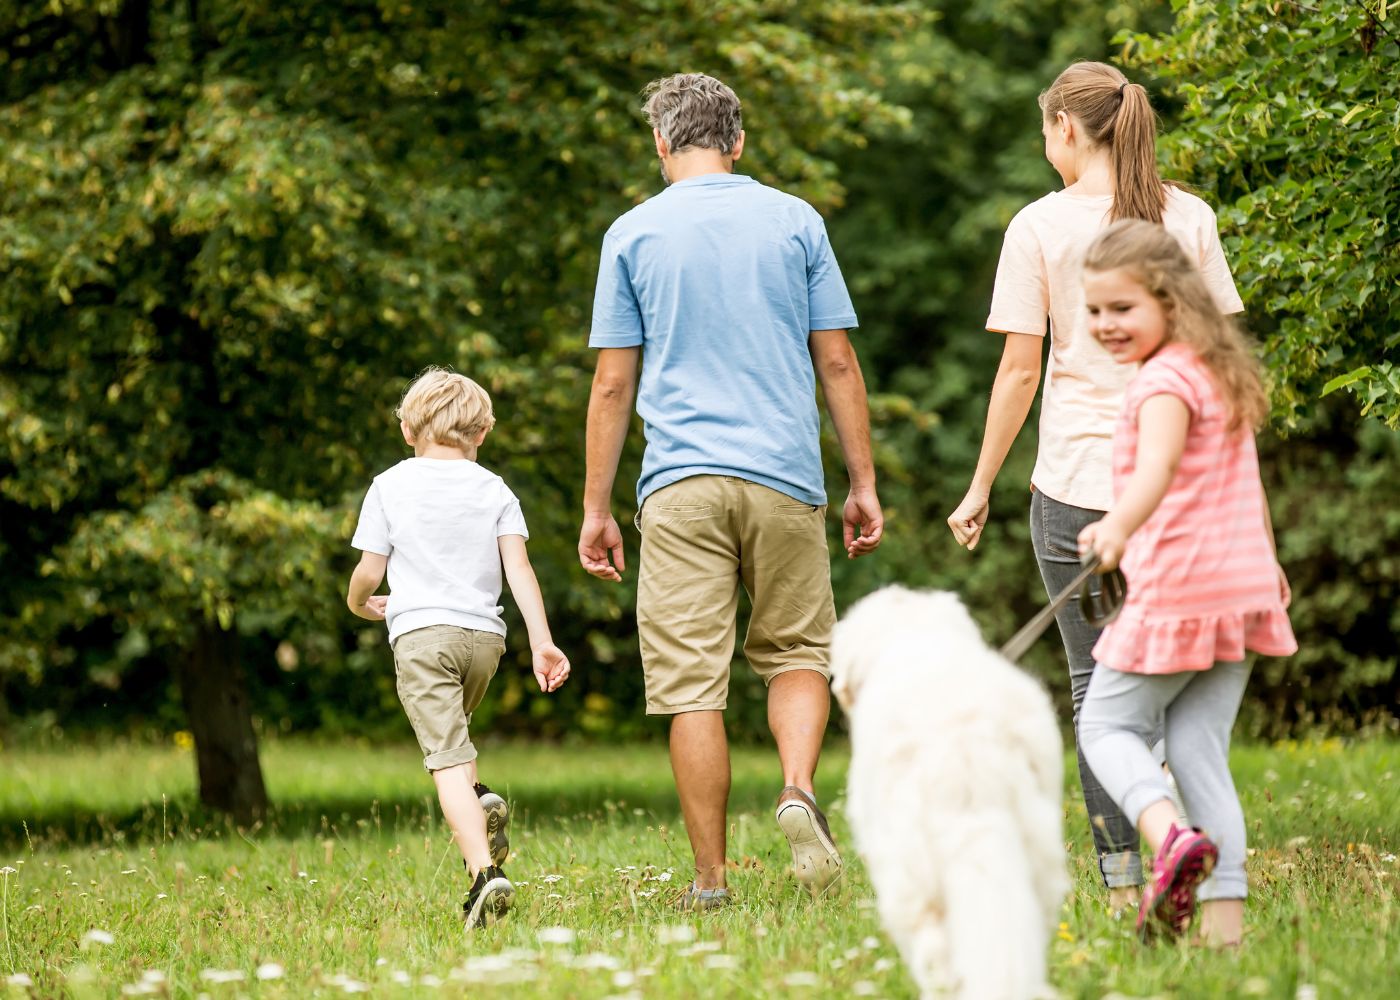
<point x="442" y="673"/>
<point x="701" y="538"/>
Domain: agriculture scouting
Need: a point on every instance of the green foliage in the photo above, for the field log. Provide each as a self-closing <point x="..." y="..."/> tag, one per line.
<point x="1292" y="119"/>
<point x="231" y="239"/>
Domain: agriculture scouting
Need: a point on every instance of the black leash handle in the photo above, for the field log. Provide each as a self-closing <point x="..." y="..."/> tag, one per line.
<point x="1098" y="609"/>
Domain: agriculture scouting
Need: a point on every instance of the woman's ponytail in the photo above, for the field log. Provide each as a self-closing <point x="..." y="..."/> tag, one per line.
<point x="1117" y="114"/>
<point x="1137" y="187"/>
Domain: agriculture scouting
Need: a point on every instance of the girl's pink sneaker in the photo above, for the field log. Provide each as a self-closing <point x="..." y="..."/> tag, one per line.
<point x="1187" y="857"/>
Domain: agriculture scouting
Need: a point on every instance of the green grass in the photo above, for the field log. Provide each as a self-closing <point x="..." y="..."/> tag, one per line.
<point x="354" y="881"/>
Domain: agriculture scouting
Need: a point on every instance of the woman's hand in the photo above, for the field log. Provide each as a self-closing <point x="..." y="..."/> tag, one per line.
<point x="969" y="519"/>
<point x="1106" y="540"/>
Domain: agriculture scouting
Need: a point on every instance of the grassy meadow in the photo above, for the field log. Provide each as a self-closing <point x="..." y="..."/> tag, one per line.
<point x="115" y="884"/>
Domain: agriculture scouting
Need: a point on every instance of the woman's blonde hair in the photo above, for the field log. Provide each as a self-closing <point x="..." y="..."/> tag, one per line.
<point x="1117" y="114"/>
<point x="446" y="408"/>
<point x="1153" y="257"/>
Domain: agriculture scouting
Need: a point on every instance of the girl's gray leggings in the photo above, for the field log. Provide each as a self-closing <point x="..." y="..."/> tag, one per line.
<point x="1195" y="711"/>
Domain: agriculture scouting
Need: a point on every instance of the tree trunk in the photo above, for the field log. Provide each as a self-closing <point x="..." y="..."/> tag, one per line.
<point x="215" y="694"/>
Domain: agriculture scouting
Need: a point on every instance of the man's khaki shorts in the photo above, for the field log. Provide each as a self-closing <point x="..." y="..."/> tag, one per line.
<point x="701" y="538"/>
<point x="442" y="673"/>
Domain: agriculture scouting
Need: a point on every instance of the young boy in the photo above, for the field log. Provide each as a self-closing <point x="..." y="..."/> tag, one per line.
<point x="444" y="527"/>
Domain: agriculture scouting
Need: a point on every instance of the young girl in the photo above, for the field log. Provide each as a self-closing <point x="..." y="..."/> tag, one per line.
<point x="1191" y="528"/>
<point x="1099" y="136"/>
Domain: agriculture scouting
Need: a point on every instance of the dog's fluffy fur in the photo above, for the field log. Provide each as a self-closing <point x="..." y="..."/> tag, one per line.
<point x="953" y="794"/>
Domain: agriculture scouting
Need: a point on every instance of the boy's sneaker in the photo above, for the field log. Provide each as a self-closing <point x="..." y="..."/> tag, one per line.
<point x="488" y="899"/>
<point x="1187" y="857"/>
<point x="497" y="819"/>
<point x="697" y="900"/>
<point x="815" y="860"/>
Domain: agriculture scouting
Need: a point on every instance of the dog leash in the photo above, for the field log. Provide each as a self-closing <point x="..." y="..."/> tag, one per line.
<point x="1098" y="609"/>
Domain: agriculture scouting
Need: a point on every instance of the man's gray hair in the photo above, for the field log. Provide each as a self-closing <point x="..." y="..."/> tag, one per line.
<point x="694" y="111"/>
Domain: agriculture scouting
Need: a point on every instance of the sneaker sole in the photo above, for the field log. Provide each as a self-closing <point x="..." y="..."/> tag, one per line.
<point x="492" y="904"/>
<point x="815" y="860"/>
<point x="497" y="821"/>
<point x="1192" y="868"/>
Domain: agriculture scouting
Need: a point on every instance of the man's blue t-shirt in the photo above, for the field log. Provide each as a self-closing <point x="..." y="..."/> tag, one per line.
<point x="720" y="280"/>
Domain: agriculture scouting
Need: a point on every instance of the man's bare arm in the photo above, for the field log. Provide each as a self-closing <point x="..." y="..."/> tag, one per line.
<point x="609" y="413"/>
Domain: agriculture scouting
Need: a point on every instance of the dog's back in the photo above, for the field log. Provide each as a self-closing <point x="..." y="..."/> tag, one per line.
<point x="954" y="796"/>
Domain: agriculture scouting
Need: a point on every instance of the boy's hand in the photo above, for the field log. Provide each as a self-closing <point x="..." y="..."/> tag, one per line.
<point x="1106" y="540"/>
<point x="551" y="666"/>
<point x="373" y="608"/>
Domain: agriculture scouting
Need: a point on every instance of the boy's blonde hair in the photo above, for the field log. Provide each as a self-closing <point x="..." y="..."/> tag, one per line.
<point x="1153" y="258"/>
<point x="446" y="408"/>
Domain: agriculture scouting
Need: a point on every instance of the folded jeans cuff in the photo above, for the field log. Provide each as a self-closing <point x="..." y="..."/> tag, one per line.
<point x="1122" y="869"/>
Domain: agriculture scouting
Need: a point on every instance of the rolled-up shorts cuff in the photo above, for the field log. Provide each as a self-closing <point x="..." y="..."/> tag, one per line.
<point x="1121" y="870"/>
<point x="819" y="668"/>
<point x="443" y="759"/>
<point x="700" y="706"/>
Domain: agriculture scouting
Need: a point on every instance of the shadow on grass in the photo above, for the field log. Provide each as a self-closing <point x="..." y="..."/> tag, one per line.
<point x="183" y="819"/>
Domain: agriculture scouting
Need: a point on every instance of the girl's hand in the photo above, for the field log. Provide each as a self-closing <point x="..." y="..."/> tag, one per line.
<point x="969" y="519"/>
<point x="551" y="666"/>
<point x="1106" y="540"/>
<point x="1285" y="592"/>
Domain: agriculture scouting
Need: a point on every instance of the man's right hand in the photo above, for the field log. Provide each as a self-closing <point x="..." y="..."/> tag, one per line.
<point x="600" y="538"/>
<point x="863" y="523"/>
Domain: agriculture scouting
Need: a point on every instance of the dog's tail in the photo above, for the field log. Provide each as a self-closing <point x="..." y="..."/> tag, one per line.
<point x="997" y="934"/>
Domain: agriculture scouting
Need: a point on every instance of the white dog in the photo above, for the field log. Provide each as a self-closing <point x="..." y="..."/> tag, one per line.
<point x="953" y="794"/>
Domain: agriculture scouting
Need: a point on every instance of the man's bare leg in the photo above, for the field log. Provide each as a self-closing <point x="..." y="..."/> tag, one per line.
<point x="700" y="763"/>
<point x="799" y="702"/>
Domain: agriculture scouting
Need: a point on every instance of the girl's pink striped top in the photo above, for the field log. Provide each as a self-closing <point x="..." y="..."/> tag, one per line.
<point x="1202" y="578"/>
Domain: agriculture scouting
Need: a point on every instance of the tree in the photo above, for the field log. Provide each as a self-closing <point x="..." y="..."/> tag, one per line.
<point x="1292" y="118"/>
<point x="233" y="235"/>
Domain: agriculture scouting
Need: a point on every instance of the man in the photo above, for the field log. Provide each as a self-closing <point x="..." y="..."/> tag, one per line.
<point x="734" y="293"/>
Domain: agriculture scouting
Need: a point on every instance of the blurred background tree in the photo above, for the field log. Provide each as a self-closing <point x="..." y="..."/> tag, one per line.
<point x="233" y="231"/>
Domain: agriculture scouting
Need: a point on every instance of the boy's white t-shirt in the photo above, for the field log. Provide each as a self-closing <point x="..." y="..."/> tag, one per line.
<point x="438" y="520"/>
<point x="1038" y="278"/>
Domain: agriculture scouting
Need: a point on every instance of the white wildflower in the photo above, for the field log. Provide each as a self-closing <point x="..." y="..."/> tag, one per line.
<point x="556" y="935"/>
<point x="870" y="943"/>
<point x="802" y="979"/>
<point x="7" y="870"/>
<point x="401" y="978"/>
<point x="551" y="879"/>
<point x="675" y="934"/>
<point x="161" y="895"/>
<point x="722" y="962"/>
<point x="153" y="976"/>
<point x="623" y="979"/>
<point x="1306" y="991"/>
<point x="19" y="978"/>
<point x="596" y="960"/>
<point x="1388" y="858"/>
<point x="429" y="980"/>
<point x="270" y="970"/>
<point x="222" y="975"/>
<point x="96" y="936"/>
<point x="646" y="893"/>
<point x="884" y="965"/>
<point x="663" y="877"/>
<point x="128" y="871"/>
<point x="863" y="988"/>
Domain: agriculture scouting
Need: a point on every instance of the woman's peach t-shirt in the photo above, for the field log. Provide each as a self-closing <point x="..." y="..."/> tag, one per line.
<point x="1038" y="279"/>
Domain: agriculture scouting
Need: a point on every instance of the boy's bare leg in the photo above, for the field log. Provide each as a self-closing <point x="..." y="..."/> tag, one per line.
<point x="1222" y="922"/>
<point x="799" y="702"/>
<point x="463" y="812"/>
<point x="700" y="762"/>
